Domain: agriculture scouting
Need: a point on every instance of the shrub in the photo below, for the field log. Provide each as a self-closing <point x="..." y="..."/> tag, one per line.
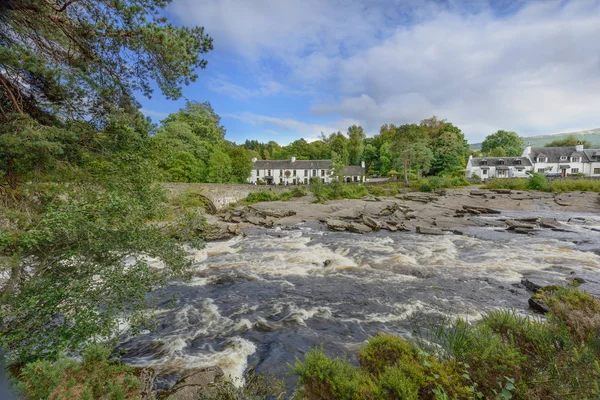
<point x="344" y="191"/>
<point x="436" y="183"/>
<point x="537" y="182"/>
<point x="383" y="351"/>
<point x="574" y="185"/>
<point x="270" y="195"/>
<point x="93" y="377"/>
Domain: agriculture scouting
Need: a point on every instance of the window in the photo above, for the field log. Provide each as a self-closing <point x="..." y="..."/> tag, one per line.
<point x="500" y="162"/>
<point x="269" y="173"/>
<point x="305" y="181"/>
<point x="483" y="162"/>
<point x="575" y="159"/>
<point x="541" y="170"/>
<point x="542" y="159"/>
<point x="574" y="170"/>
<point x="596" y="170"/>
<point x="305" y="172"/>
<point x="563" y="158"/>
<point x="257" y="172"/>
<point x="323" y="173"/>
<point x="314" y="172"/>
<point x="484" y="172"/>
<point x="280" y="172"/>
<point x="517" y="162"/>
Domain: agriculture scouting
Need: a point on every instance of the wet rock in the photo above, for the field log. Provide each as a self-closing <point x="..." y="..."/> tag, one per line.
<point x="429" y="231"/>
<point x="419" y="197"/>
<point x="531" y="220"/>
<point x="553" y="224"/>
<point x="218" y="232"/>
<point x="477" y="193"/>
<point x="233" y="229"/>
<point x="198" y="385"/>
<point x="147" y="377"/>
<point x="358" y="228"/>
<point x="502" y="191"/>
<point x="482" y="210"/>
<point x="273" y="213"/>
<point x="523" y="231"/>
<point x="336" y="225"/>
<point x="538" y="305"/>
<point x="327" y="263"/>
<point x="224" y="280"/>
<point x="516" y="225"/>
<point x="371" y="222"/>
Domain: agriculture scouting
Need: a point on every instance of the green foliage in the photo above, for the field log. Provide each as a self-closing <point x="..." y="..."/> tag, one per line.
<point x="99" y="53"/>
<point x="270" y="195"/>
<point x="569" y="141"/>
<point x="502" y="144"/>
<point x="435" y="183"/>
<point x="356" y="137"/>
<point x="68" y="284"/>
<point x="94" y="377"/>
<point x="344" y="191"/>
<point x="219" y="167"/>
<point x="509" y="183"/>
<point x="537" y="182"/>
<point x="505" y="356"/>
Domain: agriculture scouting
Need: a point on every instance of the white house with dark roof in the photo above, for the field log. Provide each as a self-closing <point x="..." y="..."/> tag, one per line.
<point x="300" y="172"/>
<point x="498" y="167"/>
<point x="569" y="160"/>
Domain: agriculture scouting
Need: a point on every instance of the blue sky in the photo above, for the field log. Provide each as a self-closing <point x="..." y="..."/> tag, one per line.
<point x="288" y="69"/>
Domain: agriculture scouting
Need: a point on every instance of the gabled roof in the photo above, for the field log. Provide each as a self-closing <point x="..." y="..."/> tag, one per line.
<point x="352" y="170"/>
<point x="553" y="154"/>
<point x="288" y="164"/>
<point x="494" y="161"/>
<point x="591" y="154"/>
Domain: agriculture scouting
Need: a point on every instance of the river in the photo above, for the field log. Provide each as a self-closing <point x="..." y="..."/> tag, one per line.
<point x="264" y="299"/>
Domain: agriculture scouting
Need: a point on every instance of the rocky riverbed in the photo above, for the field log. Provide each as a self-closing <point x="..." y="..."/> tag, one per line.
<point x="289" y="276"/>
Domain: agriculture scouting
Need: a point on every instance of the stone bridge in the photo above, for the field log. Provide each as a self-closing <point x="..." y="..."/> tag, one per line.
<point x="218" y="195"/>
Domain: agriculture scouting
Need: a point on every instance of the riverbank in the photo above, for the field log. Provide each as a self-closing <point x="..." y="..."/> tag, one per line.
<point x="432" y="213"/>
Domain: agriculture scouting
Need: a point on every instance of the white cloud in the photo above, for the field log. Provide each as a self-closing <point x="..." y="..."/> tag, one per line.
<point x="264" y="89"/>
<point x="534" y="70"/>
<point x="151" y="113"/>
<point x="307" y="130"/>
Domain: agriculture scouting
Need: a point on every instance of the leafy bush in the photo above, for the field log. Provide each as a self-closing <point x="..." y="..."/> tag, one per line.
<point x="344" y="191"/>
<point x="93" y="378"/>
<point x="506" y="355"/>
<point x="537" y="182"/>
<point x="574" y="185"/>
<point x="435" y="183"/>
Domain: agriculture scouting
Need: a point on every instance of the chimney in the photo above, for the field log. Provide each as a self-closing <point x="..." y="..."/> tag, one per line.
<point x="579" y="146"/>
<point x="293" y="159"/>
<point x="362" y="164"/>
<point x="527" y="151"/>
<point x="254" y="159"/>
<point x="470" y="157"/>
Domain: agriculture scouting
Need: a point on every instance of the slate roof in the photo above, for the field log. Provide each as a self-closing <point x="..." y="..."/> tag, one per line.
<point x="352" y="170"/>
<point x="288" y="164"/>
<point x="493" y="162"/>
<point x="592" y="154"/>
<point x="553" y="154"/>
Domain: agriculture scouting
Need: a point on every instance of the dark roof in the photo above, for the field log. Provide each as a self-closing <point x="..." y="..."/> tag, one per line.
<point x="494" y="161"/>
<point x="592" y="153"/>
<point x="288" y="164"/>
<point x="553" y="154"/>
<point x="354" y="170"/>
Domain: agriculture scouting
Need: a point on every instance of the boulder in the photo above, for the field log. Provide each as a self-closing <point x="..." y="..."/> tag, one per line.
<point x="197" y="385"/>
<point x="327" y="263"/>
<point x="336" y="225"/>
<point x="515" y="225"/>
<point x="265" y="212"/>
<point x="502" y="191"/>
<point x="538" y="305"/>
<point x="477" y="193"/>
<point x="358" y="228"/>
<point x="429" y="231"/>
<point x="147" y="377"/>
<point x="371" y="222"/>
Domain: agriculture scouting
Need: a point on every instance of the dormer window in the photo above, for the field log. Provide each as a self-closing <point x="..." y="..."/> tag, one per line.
<point x="500" y="162"/>
<point x="517" y="162"/>
<point x="483" y="162"/>
<point x="563" y="158"/>
<point x="575" y="159"/>
<point x="542" y="159"/>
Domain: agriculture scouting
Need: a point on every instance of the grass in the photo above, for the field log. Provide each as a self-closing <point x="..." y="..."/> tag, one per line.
<point x="539" y="182"/>
<point x="504" y="356"/>
<point x="270" y="195"/>
<point x="339" y="191"/>
<point x="95" y="377"/>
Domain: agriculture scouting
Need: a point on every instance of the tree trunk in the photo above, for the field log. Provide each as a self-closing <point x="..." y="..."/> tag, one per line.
<point x="405" y="172"/>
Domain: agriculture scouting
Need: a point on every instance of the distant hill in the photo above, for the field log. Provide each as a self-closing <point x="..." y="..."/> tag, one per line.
<point x="592" y="136"/>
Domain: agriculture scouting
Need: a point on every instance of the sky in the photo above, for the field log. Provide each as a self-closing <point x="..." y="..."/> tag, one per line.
<point x="288" y="69"/>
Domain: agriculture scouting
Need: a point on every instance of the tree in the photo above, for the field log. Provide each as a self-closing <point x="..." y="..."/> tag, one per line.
<point x="385" y="158"/>
<point x="448" y="144"/>
<point x="370" y="156"/>
<point x="411" y="150"/>
<point x="184" y="167"/>
<point x="86" y="58"/>
<point x="336" y="172"/>
<point x="241" y="164"/>
<point x="356" y="136"/>
<point x="219" y="167"/>
<point x="569" y="141"/>
<point x="511" y="142"/>
<point x="202" y="120"/>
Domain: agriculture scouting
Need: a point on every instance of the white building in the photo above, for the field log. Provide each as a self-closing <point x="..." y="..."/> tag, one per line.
<point x="299" y="172"/>
<point x="562" y="161"/>
<point x="498" y="167"/>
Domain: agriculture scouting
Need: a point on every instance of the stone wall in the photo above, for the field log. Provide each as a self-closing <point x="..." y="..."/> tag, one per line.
<point x="221" y="195"/>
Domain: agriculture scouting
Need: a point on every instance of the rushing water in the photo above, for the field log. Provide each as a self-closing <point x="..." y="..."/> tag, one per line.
<point x="266" y="298"/>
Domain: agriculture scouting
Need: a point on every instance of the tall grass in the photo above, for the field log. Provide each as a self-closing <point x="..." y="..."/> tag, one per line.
<point x="539" y="182"/>
<point x="339" y="191"/>
<point x="270" y="195"/>
<point x="505" y="356"/>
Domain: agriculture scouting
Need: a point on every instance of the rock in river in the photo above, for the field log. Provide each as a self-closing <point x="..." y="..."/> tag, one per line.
<point x="197" y="385"/>
<point x="429" y="231"/>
